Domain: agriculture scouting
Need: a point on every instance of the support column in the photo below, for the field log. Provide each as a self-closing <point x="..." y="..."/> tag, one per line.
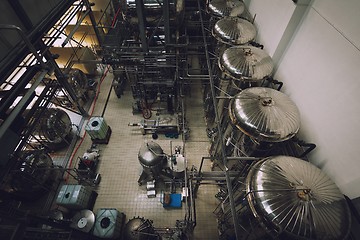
<point x="301" y="9"/>
<point x="142" y="24"/>
<point x="94" y="23"/>
<point x="166" y="15"/>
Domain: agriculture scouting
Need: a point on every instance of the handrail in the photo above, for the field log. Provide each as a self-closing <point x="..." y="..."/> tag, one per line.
<point x="26" y="41"/>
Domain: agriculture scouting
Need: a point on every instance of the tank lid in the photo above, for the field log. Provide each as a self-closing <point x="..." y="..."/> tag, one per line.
<point x="234" y="30"/>
<point x="55" y="125"/>
<point x="83" y="220"/>
<point x="138" y="228"/>
<point x="223" y="8"/>
<point x="297" y="200"/>
<point x="265" y="114"/>
<point x="150" y="154"/>
<point x="246" y="63"/>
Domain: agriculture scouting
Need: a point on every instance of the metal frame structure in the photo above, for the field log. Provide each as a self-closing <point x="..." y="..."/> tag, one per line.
<point x="232" y="169"/>
<point x="148" y="57"/>
<point x="26" y="92"/>
<point x="155" y="71"/>
<point x="217" y="120"/>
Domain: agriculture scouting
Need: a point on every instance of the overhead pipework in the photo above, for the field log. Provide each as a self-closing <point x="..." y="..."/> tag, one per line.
<point x="143" y="48"/>
<point x="266" y="186"/>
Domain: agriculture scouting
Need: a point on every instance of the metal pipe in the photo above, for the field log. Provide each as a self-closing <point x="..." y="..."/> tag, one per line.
<point x="188" y="191"/>
<point x="65" y="20"/>
<point x="156" y="28"/>
<point x="142" y="22"/>
<point x="244" y="158"/>
<point x="227" y="176"/>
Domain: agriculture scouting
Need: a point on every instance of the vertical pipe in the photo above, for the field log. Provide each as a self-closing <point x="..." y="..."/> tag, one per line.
<point x="142" y="21"/>
<point x="166" y="15"/>
<point x="223" y="154"/>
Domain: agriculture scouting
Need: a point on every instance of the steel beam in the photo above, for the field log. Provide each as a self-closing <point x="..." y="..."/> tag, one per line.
<point x="20" y="106"/>
<point x="78" y="23"/>
<point x="61" y="77"/>
<point x="27" y="42"/>
<point x="16" y="90"/>
<point x="94" y="23"/>
<point x="17" y="54"/>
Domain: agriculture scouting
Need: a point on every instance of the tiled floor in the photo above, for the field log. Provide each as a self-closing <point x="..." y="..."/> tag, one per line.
<point x="120" y="168"/>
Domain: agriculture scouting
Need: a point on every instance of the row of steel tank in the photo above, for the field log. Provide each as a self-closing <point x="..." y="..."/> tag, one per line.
<point x="249" y="108"/>
<point x="275" y="196"/>
<point x="51" y="131"/>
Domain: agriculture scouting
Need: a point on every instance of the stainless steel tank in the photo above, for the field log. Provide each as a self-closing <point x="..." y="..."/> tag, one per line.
<point x="32" y="175"/>
<point x="257" y="118"/>
<point x="176" y="164"/>
<point x="223" y="8"/>
<point x="55" y="128"/>
<point x="286" y="198"/>
<point x="152" y="158"/>
<point x="265" y="114"/>
<point x="246" y="63"/>
<point x="293" y="199"/>
<point x="234" y="30"/>
<point x="229" y="31"/>
<point x="78" y="81"/>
